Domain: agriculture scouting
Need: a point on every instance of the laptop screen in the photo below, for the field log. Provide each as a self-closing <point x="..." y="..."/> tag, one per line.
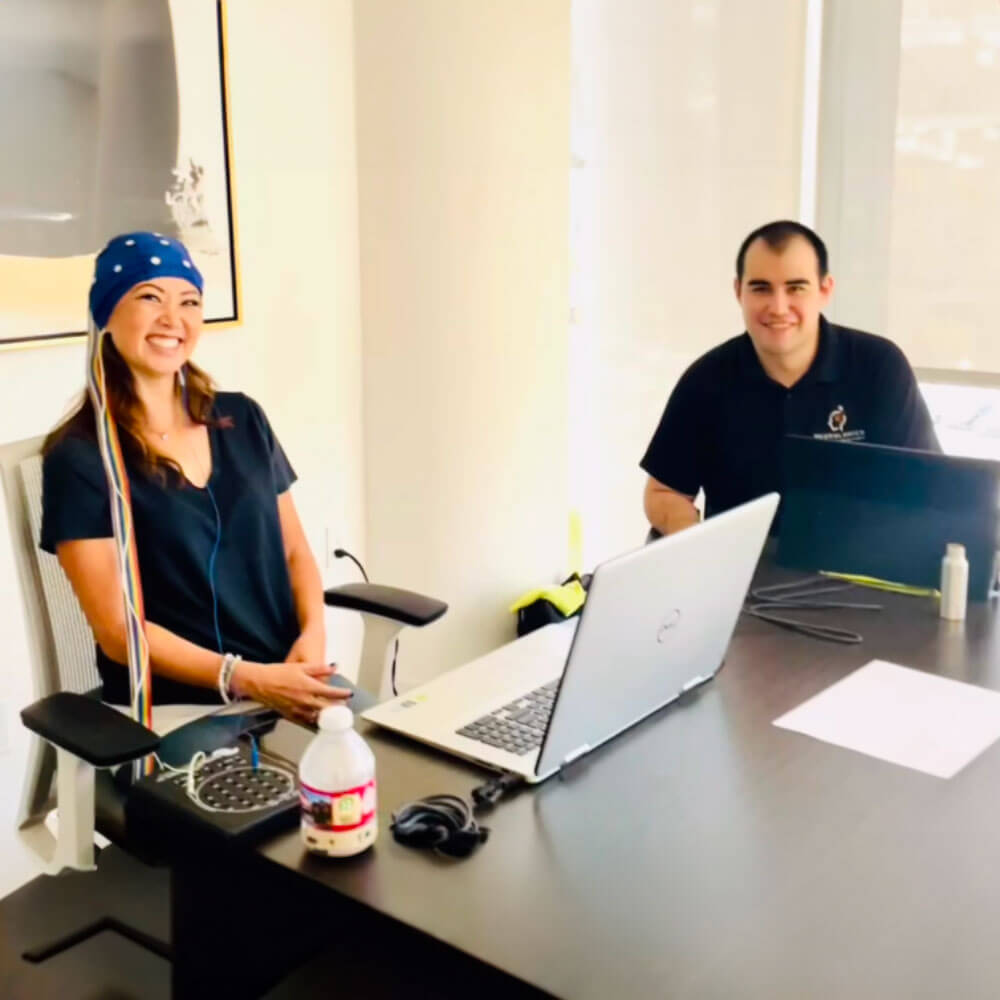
<point x="887" y="512"/>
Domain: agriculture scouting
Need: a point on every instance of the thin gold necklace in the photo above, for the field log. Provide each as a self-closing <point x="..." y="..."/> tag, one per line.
<point x="162" y="435"/>
<point x="194" y="458"/>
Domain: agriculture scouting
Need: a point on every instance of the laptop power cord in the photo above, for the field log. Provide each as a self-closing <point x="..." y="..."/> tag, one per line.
<point x="491" y="792"/>
<point x="445" y="823"/>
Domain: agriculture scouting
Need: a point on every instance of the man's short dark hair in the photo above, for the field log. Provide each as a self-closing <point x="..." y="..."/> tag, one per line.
<point x="776" y="235"/>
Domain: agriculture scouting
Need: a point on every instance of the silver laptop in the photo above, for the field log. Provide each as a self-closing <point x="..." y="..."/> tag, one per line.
<point x="656" y="623"/>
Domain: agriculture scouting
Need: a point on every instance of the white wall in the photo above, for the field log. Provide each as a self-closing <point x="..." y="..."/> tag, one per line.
<point x="463" y="148"/>
<point x="686" y="136"/>
<point x="298" y="350"/>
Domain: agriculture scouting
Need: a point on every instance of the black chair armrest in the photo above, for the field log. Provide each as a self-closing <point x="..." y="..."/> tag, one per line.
<point x="389" y="602"/>
<point x="89" y="729"/>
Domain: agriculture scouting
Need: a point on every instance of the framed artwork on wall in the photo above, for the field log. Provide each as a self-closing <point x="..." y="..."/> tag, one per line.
<point x="115" y="118"/>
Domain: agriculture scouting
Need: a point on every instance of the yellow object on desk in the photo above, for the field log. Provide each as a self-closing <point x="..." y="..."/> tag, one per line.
<point x="568" y="597"/>
<point x="877" y="584"/>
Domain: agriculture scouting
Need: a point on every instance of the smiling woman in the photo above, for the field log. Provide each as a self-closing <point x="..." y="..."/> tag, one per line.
<point x="171" y="309"/>
<point x="157" y="469"/>
<point x="147" y="295"/>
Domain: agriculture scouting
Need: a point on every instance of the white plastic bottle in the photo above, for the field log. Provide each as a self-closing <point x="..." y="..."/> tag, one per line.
<point x="954" y="583"/>
<point x="337" y="778"/>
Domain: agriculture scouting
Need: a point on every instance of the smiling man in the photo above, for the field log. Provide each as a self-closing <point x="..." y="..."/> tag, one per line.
<point x="791" y="372"/>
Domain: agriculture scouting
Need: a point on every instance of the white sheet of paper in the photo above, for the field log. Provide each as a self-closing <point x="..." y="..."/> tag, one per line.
<point x="932" y="724"/>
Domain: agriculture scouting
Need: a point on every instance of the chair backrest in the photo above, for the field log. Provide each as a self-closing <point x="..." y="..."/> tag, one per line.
<point x="62" y="655"/>
<point x="60" y="642"/>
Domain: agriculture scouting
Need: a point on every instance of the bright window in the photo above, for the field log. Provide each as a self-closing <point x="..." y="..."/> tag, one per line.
<point x="945" y="230"/>
<point x="966" y="418"/>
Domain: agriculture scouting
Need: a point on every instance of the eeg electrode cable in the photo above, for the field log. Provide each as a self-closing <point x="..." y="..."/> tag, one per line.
<point x="120" y="497"/>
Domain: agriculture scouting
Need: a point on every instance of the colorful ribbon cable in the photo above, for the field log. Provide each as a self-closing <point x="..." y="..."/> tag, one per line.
<point x="121" y="515"/>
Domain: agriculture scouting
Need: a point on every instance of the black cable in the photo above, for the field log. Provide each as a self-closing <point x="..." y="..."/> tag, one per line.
<point x="766" y="603"/>
<point x="828" y="633"/>
<point x="489" y="793"/>
<point x="341" y="553"/>
<point x="442" y="822"/>
<point x="445" y="823"/>
<point x="802" y="594"/>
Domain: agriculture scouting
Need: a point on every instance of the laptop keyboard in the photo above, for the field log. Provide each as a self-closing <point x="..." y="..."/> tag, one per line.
<point x="518" y="726"/>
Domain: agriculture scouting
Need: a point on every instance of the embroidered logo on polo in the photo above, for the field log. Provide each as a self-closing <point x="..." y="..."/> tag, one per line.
<point x="837" y="422"/>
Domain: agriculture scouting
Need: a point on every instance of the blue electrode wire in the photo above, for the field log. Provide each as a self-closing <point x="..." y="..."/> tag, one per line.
<point x="211" y="566"/>
<point x="218" y="526"/>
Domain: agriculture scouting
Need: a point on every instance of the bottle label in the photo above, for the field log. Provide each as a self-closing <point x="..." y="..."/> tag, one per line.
<point x="340" y="811"/>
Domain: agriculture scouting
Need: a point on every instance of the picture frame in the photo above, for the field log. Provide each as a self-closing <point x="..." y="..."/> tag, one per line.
<point x="121" y="124"/>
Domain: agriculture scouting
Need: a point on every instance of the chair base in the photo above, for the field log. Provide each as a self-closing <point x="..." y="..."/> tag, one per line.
<point x="52" y="948"/>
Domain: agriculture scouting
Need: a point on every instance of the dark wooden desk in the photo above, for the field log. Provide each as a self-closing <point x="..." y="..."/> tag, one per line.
<point x="705" y="853"/>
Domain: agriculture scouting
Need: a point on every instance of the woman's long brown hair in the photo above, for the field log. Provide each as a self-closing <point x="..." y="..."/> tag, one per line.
<point x="127" y="411"/>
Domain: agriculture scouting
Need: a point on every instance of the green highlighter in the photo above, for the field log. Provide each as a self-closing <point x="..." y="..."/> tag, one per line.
<point x="889" y="585"/>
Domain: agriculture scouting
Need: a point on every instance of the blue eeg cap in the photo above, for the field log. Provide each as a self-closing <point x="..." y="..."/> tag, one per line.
<point x="132" y="258"/>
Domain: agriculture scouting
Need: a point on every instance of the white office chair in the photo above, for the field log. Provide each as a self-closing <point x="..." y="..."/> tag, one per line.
<point x="61" y="650"/>
<point x="76" y="739"/>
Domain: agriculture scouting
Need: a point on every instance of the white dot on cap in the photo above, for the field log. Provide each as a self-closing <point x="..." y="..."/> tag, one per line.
<point x="187" y="263"/>
<point x="166" y="243"/>
<point x="154" y="260"/>
<point x="117" y="268"/>
<point x="157" y="234"/>
<point x="130" y="243"/>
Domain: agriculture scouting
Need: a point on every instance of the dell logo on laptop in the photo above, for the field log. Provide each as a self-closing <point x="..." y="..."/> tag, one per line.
<point x="670" y="621"/>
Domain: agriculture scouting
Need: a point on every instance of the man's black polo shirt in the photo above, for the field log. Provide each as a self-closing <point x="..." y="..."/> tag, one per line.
<point x="723" y="424"/>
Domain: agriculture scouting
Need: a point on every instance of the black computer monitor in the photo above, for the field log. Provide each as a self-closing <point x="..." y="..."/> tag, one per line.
<point x="887" y="512"/>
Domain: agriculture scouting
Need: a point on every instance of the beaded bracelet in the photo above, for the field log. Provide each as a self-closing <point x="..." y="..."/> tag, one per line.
<point x="226" y="669"/>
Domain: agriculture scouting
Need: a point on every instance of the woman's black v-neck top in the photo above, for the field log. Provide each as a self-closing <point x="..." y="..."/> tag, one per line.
<point x="212" y="560"/>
